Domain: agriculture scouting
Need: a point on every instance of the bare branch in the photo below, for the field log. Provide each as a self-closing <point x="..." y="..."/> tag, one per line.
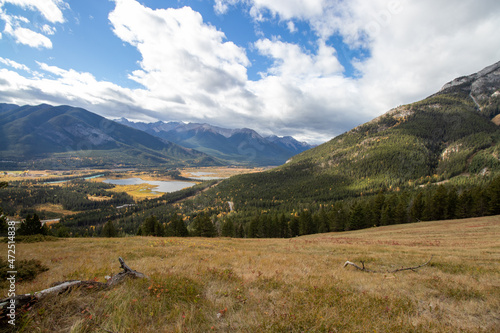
<point x="61" y="287"/>
<point x="358" y="267"/>
<point x="364" y="269"/>
<point x="411" y="268"/>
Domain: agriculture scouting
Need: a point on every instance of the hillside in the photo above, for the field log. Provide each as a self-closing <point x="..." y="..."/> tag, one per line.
<point x="276" y="285"/>
<point x="236" y="146"/>
<point x="46" y="136"/>
<point x="451" y="133"/>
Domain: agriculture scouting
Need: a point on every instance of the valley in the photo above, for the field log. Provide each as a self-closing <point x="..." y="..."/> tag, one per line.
<point x="249" y="166"/>
<point x="434" y="159"/>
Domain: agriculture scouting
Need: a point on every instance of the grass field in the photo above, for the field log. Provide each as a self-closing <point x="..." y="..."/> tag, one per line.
<point x="138" y="192"/>
<point x="278" y="285"/>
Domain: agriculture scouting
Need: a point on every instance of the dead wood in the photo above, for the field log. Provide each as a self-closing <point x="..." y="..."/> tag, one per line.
<point x="61" y="287"/>
<point x="364" y="269"/>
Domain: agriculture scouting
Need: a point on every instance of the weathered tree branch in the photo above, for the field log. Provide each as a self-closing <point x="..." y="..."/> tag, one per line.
<point x="364" y="269"/>
<point x="60" y="287"/>
<point x="412" y="268"/>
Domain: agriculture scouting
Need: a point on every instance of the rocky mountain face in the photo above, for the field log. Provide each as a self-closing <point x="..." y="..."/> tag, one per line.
<point x="42" y="132"/>
<point x="481" y="85"/>
<point x="238" y="146"/>
<point x="482" y="88"/>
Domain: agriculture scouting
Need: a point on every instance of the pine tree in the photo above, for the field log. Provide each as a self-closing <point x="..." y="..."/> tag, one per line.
<point x="439" y="203"/>
<point x="356" y="217"/>
<point x="493" y="191"/>
<point x="417" y="207"/>
<point x="294" y="227"/>
<point x="204" y="227"/>
<point x="109" y="230"/>
<point x="151" y="227"/>
<point x="451" y="210"/>
<point x="227" y="229"/>
<point x="377" y="206"/>
<point x="254" y="227"/>
<point x="32" y="226"/>
<point x="306" y="223"/>
<point x="3" y="218"/>
<point x="179" y="227"/>
<point x="323" y="221"/>
<point x="340" y="217"/>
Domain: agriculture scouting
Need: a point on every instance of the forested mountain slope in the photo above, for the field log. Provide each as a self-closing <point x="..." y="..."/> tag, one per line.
<point x="448" y="134"/>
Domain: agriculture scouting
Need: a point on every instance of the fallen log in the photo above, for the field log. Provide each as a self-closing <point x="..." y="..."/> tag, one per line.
<point x="364" y="269"/>
<point x="60" y="287"/>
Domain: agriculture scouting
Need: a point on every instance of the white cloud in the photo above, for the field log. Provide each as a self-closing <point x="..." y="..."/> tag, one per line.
<point x="50" y="9"/>
<point x="14" y="64"/>
<point x="291" y="27"/>
<point x="293" y="63"/>
<point x="222" y="6"/>
<point x="182" y="56"/>
<point x="288" y="9"/>
<point x="414" y="48"/>
<point x="48" y="30"/>
<point x="23" y="31"/>
<point x="31" y="38"/>
<point x="190" y="71"/>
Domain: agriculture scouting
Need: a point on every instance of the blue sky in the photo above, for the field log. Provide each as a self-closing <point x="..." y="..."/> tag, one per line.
<point x="307" y="68"/>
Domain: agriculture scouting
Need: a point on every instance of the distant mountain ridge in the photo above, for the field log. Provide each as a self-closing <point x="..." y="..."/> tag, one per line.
<point x="240" y="146"/>
<point x="69" y="135"/>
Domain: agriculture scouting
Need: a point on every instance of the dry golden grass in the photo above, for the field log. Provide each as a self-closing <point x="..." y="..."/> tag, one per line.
<point x="278" y="285"/>
<point x="222" y="172"/>
<point x="54" y="208"/>
<point x="138" y="192"/>
<point x="98" y="198"/>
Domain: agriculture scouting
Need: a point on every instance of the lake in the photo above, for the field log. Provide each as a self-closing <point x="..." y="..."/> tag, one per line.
<point x="161" y="186"/>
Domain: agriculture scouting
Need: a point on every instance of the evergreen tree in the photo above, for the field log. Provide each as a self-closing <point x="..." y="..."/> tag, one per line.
<point x="109" y="230"/>
<point x="294" y="227"/>
<point x="451" y="210"/>
<point x="240" y="231"/>
<point x="357" y="217"/>
<point x="417" y="207"/>
<point x="377" y="206"/>
<point x="203" y="226"/>
<point x="3" y="223"/>
<point x="159" y="229"/>
<point x="401" y="211"/>
<point x="439" y="203"/>
<point x="493" y="191"/>
<point x="339" y="217"/>
<point x="254" y="227"/>
<point x="323" y="221"/>
<point x="227" y="229"/>
<point x="3" y="218"/>
<point x="179" y="227"/>
<point x="283" y="226"/>
<point x="151" y="227"/>
<point x="32" y="226"/>
<point x="306" y="223"/>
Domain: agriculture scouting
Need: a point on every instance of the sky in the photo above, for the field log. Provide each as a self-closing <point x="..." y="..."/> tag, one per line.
<point x="312" y="69"/>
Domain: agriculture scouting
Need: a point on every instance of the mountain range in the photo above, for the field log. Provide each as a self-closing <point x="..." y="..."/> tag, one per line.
<point x="45" y="136"/>
<point x="237" y="146"/>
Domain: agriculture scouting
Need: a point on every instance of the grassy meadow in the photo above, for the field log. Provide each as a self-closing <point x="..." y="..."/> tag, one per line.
<point x="277" y="285"/>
